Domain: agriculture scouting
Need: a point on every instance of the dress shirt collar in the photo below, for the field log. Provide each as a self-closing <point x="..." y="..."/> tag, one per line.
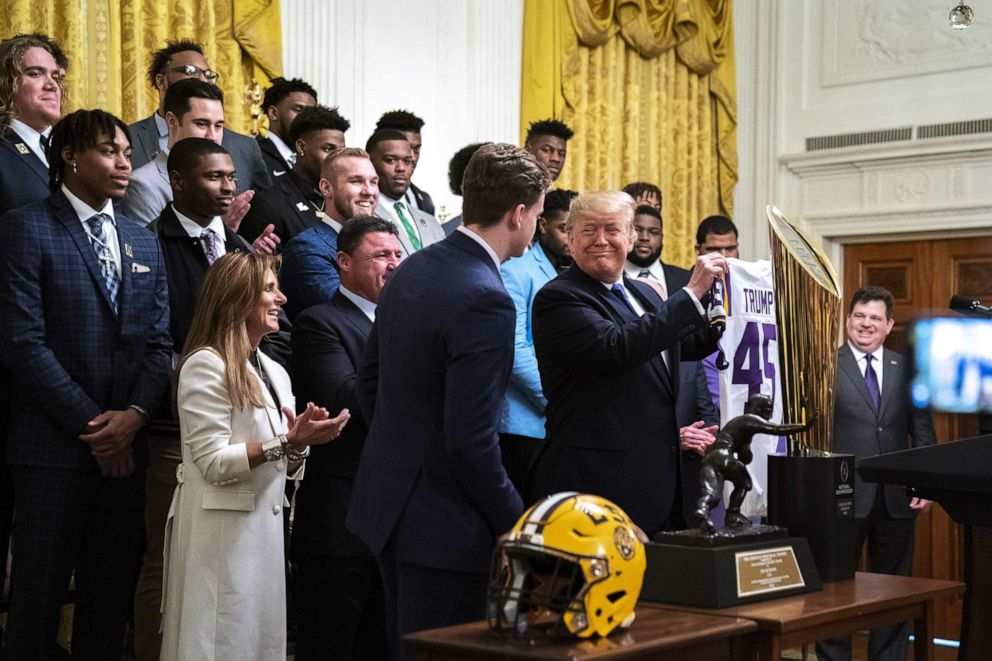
<point x="194" y="229"/>
<point x="482" y="242"/>
<point x="656" y="271"/>
<point x="84" y="211"/>
<point x="281" y="147"/>
<point x="333" y="224"/>
<point x="365" y="305"/>
<point x="161" y="125"/>
<point x="31" y="137"/>
<point x="859" y="355"/>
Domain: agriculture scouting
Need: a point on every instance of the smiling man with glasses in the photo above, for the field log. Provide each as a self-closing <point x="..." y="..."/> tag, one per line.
<point x="180" y="60"/>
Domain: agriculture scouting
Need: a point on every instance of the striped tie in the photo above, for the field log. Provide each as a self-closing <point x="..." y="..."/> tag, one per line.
<point x="408" y="226"/>
<point x="108" y="267"/>
<point x="209" y="247"/>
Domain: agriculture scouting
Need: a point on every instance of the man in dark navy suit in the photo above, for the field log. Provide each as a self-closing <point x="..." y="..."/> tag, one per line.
<point x="84" y="335"/>
<point x="431" y="496"/>
<point x="337" y="585"/>
<point x="283" y="101"/>
<point x="33" y="68"/>
<point x="608" y="349"/>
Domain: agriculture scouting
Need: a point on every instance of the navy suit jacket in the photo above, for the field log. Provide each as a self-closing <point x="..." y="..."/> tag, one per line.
<point x="23" y="177"/>
<point x="611" y="426"/>
<point x="70" y="356"/>
<point x="328" y="342"/>
<point x="309" y="271"/>
<point x="247" y="157"/>
<point x="431" y="481"/>
<point x="276" y="164"/>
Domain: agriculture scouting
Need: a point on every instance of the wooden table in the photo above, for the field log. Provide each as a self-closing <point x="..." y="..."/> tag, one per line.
<point x="866" y="601"/>
<point x="656" y="634"/>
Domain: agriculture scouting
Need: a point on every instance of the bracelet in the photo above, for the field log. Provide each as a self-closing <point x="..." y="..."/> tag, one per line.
<point x="275" y="449"/>
<point x="295" y="455"/>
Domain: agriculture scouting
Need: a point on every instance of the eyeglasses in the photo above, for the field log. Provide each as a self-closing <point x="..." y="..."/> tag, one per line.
<point x="194" y="71"/>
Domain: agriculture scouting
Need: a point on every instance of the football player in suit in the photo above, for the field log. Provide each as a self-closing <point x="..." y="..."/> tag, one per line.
<point x="608" y="350"/>
<point x="32" y="67"/>
<point x="176" y="61"/>
<point x="392" y="157"/>
<point x="547" y="140"/>
<point x="84" y="335"/>
<point x="192" y="237"/>
<point x="873" y="415"/>
<point x="431" y="495"/>
<point x="294" y="203"/>
<point x="339" y="598"/>
<point x="309" y="272"/>
<point x="282" y="102"/>
<point x="32" y="70"/>
<point x="410" y="126"/>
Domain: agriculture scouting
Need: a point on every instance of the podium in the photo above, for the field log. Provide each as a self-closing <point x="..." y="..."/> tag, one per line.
<point x="958" y="475"/>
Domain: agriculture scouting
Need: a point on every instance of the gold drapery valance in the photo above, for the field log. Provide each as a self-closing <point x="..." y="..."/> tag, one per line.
<point x="649" y="87"/>
<point x="109" y="45"/>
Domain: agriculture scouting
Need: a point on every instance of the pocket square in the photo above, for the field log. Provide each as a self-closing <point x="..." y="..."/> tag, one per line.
<point x="139" y="268"/>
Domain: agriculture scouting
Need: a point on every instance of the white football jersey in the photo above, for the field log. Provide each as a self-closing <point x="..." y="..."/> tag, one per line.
<point x="748" y="363"/>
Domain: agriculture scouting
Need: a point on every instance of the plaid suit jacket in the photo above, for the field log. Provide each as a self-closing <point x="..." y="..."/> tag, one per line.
<point x="69" y="355"/>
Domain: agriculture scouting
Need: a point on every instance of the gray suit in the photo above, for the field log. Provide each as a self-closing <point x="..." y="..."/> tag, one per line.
<point x="883" y="517"/>
<point x="430" y="230"/>
<point x="149" y="191"/>
<point x="248" y="162"/>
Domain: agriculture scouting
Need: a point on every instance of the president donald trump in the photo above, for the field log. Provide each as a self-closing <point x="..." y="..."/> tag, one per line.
<point x="608" y="349"/>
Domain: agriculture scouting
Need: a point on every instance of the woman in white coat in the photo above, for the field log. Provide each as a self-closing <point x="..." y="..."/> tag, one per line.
<point x="224" y="593"/>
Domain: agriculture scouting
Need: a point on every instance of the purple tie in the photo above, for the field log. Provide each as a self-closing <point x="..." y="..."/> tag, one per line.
<point x="209" y="247"/>
<point x="871" y="380"/>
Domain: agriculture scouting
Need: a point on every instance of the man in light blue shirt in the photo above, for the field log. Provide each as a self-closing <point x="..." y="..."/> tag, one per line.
<point x="521" y="424"/>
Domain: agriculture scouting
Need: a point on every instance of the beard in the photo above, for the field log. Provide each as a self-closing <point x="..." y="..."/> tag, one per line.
<point x="644" y="262"/>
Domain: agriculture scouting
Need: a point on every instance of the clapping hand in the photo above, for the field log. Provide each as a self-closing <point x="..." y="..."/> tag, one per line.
<point x="696" y="437"/>
<point x="267" y="242"/>
<point x="314" y="426"/>
<point x="238" y="210"/>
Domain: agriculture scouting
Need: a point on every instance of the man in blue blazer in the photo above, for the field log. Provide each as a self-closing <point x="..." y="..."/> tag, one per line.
<point x="521" y="419"/>
<point x="431" y="495"/>
<point x="309" y="273"/>
<point x="84" y="318"/>
<point x="32" y="68"/>
<point x="608" y="350"/>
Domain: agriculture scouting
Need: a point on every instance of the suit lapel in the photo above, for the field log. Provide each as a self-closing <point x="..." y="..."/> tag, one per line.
<point x="125" y="240"/>
<point x="890" y="378"/>
<point x="67" y="216"/>
<point x="383" y="212"/>
<point x="351" y="312"/>
<point x="544" y="262"/>
<point x="849" y="366"/>
<point x="147" y="134"/>
<point x="284" y="392"/>
<point x="11" y="141"/>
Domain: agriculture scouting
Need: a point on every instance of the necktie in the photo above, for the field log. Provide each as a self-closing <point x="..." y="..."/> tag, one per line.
<point x="208" y="245"/>
<point x="108" y="267"/>
<point x="618" y="291"/>
<point x="871" y="380"/>
<point x="645" y="274"/>
<point x="411" y="231"/>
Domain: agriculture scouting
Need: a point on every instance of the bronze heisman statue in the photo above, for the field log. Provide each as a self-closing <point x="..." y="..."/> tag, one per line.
<point x="720" y="464"/>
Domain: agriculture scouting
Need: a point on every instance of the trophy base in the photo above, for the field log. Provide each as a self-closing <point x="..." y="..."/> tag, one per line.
<point x="722" y="537"/>
<point x="691" y="571"/>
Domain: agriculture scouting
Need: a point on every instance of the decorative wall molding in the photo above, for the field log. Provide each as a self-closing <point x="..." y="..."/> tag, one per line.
<point x="865" y="40"/>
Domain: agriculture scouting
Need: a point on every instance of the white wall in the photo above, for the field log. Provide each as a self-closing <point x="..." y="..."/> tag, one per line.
<point x="454" y="63"/>
<point x="809" y="68"/>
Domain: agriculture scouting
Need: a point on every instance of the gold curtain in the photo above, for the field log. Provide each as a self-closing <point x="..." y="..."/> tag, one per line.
<point x="109" y="45"/>
<point x="649" y="88"/>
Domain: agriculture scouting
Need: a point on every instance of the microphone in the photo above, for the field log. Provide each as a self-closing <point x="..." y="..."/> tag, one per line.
<point x="969" y="306"/>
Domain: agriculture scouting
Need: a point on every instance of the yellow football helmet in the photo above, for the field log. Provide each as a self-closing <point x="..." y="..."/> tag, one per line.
<point x="571" y="565"/>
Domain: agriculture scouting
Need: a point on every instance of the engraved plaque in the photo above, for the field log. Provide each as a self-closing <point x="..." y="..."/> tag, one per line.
<point x="767" y="570"/>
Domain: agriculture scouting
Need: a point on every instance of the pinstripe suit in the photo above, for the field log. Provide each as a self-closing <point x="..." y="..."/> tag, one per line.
<point x="71" y="357"/>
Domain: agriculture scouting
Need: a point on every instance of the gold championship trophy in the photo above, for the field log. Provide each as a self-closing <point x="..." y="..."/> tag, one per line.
<point x="810" y="489"/>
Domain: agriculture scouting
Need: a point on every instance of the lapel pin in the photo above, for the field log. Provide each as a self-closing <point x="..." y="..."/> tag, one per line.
<point x="892" y="362"/>
<point x="128" y="250"/>
<point x="23" y="148"/>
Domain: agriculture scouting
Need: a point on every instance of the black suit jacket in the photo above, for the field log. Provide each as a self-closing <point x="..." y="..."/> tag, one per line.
<point x="424" y="201"/>
<point x="23" y="177"/>
<point x="274" y="162"/>
<point x="611" y="422"/>
<point x="285" y="204"/>
<point x="864" y="432"/>
<point x="328" y="341"/>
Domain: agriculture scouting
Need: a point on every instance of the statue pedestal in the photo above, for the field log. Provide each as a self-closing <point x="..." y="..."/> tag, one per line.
<point x="813" y="497"/>
<point x="734" y="566"/>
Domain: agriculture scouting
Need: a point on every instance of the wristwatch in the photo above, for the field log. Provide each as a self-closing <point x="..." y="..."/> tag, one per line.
<point x="275" y="449"/>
